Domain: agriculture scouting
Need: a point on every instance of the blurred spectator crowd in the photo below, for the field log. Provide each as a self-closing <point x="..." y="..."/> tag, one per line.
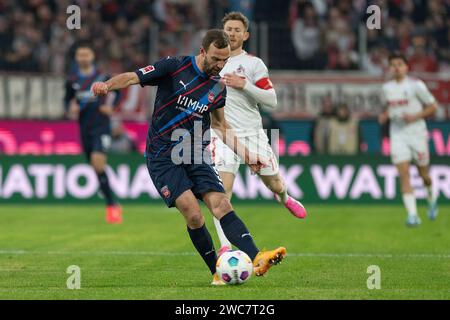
<point x="326" y="34"/>
<point x="305" y="35"/>
<point x="34" y="36"/>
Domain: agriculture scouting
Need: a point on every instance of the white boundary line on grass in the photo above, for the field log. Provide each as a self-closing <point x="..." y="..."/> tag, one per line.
<point x="159" y="253"/>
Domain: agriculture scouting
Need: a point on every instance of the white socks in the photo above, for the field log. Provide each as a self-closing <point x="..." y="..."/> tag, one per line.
<point x="409" y="200"/>
<point x="431" y="195"/>
<point x="223" y="239"/>
<point x="283" y="196"/>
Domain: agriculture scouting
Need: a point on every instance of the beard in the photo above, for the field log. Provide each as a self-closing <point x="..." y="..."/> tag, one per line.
<point x="210" y="70"/>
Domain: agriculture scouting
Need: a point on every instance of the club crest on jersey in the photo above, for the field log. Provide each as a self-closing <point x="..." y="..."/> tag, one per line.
<point x="147" y="69"/>
<point x="240" y="69"/>
<point x="165" y="192"/>
<point x="211" y="97"/>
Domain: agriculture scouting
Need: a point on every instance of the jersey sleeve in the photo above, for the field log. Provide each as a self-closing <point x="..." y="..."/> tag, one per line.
<point x="261" y="76"/>
<point x="151" y="75"/>
<point x="423" y="93"/>
<point x="220" y="100"/>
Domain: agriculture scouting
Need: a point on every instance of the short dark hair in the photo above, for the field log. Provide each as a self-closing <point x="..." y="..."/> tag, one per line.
<point x="217" y="37"/>
<point x="235" y="15"/>
<point x="84" y="44"/>
<point x="397" y="55"/>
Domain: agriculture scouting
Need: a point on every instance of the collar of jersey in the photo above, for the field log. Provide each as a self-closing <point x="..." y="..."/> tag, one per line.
<point x="405" y="79"/>
<point x="196" y="67"/>
<point x="240" y="54"/>
<point x="81" y="75"/>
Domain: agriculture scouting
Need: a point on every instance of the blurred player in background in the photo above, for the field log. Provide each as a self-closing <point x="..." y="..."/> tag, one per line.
<point x="248" y="84"/>
<point x="93" y="114"/>
<point x="189" y="91"/>
<point x="409" y="102"/>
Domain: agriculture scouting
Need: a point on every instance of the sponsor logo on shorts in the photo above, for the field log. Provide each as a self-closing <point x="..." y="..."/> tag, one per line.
<point x="165" y="192"/>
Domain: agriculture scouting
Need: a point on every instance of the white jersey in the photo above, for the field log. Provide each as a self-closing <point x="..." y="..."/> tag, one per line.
<point x="406" y="97"/>
<point x="241" y="110"/>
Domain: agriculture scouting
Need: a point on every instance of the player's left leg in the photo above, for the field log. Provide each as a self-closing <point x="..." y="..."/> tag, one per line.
<point x="271" y="177"/>
<point x="100" y="141"/>
<point x="431" y="194"/>
<point x="402" y="153"/>
<point x="233" y="227"/>
<point x="236" y="231"/>
<point x="277" y="185"/>
<point x="98" y="161"/>
<point x="188" y="205"/>
<point x="228" y="181"/>
<point x="227" y="164"/>
<point x="421" y="156"/>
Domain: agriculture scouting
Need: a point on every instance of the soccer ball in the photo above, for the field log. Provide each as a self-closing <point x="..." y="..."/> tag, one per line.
<point x="234" y="267"/>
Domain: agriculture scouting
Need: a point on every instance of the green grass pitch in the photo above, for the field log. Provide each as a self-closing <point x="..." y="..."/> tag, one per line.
<point x="150" y="255"/>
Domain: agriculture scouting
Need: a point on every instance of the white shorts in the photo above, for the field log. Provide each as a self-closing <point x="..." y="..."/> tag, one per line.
<point x="406" y="148"/>
<point x="226" y="160"/>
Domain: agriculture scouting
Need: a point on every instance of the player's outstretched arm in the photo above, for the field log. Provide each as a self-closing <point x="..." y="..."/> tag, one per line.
<point x="226" y="133"/>
<point x="120" y="81"/>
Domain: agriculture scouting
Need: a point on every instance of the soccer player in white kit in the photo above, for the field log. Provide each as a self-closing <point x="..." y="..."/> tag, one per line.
<point x="248" y="84"/>
<point x="409" y="102"/>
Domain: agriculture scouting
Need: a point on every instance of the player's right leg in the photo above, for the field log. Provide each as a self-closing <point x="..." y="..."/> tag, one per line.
<point x="188" y="205"/>
<point x="174" y="186"/>
<point x="409" y="200"/>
